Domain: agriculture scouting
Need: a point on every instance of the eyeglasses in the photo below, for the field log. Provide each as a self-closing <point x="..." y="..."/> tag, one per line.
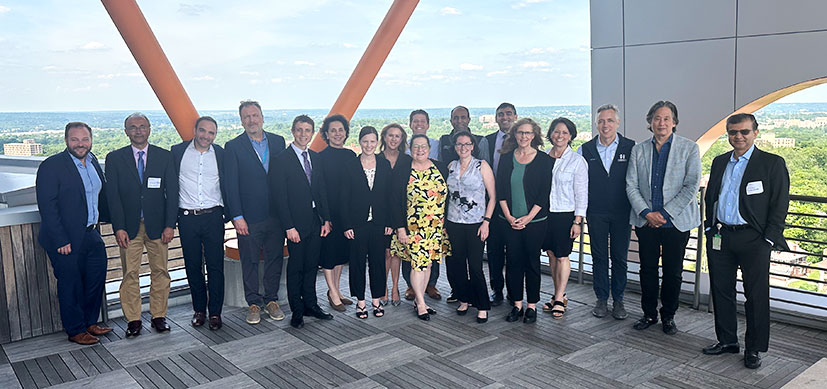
<point x="525" y="133"/>
<point x="464" y="145"/>
<point x="735" y="132"/>
<point x="419" y="147"/>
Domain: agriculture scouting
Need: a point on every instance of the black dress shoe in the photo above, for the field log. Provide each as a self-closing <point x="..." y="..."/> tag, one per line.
<point x="496" y="299"/>
<point x="751" y="359"/>
<point x="318" y="313"/>
<point x="297" y="321"/>
<point x="644" y="323"/>
<point x="530" y="316"/>
<point x="160" y="324"/>
<point x="215" y="322"/>
<point x="669" y="327"/>
<point x="482" y="319"/>
<point x="462" y="312"/>
<point x="198" y="319"/>
<point x="133" y="328"/>
<point x="514" y="315"/>
<point x="718" y="349"/>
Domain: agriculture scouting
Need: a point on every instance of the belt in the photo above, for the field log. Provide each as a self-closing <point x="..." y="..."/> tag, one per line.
<point x="196" y="212"/>
<point x="728" y="227"/>
<point x="90" y="228"/>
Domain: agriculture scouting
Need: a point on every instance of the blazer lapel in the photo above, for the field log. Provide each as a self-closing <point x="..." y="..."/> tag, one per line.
<point x="648" y="150"/>
<point x="249" y="146"/>
<point x="129" y="160"/>
<point x="73" y="172"/>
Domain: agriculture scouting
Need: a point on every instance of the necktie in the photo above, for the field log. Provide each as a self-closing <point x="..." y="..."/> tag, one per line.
<point x="141" y="166"/>
<point x="307" y="169"/>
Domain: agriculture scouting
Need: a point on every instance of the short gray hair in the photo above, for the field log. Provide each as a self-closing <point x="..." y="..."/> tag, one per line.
<point x="135" y="115"/>
<point x="608" y="107"/>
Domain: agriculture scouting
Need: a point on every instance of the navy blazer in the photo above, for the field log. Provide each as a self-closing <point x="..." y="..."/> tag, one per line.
<point x="764" y="211"/>
<point x="178" y="155"/>
<point x="293" y="196"/>
<point x="360" y="198"/>
<point x="127" y="195"/>
<point x="61" y="199"/>
<point x="246" y="188"/>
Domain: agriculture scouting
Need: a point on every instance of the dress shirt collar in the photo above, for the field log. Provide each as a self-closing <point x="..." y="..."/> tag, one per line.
<point x="612" y="143"/>
<point x="80" y="162"/>
<point x="746" y="155"/>
<point x="263" y="137"/>
<point x="299" y="152"/>
<point x="135" y="150"/>
<point x="192" y="146"/>
<point x="668" y="141"/>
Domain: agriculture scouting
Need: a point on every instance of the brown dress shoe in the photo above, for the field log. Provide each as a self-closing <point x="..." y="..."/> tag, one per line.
<point x="97" y="330"/>
<point x="215" y="322"/>
<point x="433" y="292"/>
<point x="83" y="338"/>
<point x="159" y="324"/>
<point x="198" y="319"/>
<point x="409" y="294"/>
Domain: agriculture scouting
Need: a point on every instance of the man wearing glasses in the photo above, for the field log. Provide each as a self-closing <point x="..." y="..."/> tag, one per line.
<point x="746" y="204"/>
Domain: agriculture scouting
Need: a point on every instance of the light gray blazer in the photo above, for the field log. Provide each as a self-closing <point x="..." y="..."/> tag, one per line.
<point x="680" y="183"/>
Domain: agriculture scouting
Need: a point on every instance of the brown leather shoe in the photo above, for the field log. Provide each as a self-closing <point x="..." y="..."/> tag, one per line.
<point x="160" y="324"/>
<point x="97" y="330"/>
<point x="409" y="294"/>
<point x="433" y="292"/>
<point x="215" y="322"/>
<point x="198" y="319"/>
<point x="83" y="338"/>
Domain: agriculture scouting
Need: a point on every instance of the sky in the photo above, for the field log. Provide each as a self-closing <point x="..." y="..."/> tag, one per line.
<point x="68" y="56"/>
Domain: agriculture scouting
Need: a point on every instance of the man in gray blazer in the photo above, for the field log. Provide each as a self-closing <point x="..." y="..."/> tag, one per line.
<point x="662" y="185"/>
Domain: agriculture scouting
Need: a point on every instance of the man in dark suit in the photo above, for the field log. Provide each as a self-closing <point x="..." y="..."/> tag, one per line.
<point x="506" y="115"/>
<point x="199" y="164"/>
<point x="608" y="212"/>
<point x="260" y="236"/>
<point x="71" y="197"/>
<point x="298" y="188"/>
<point x="746" y="205"/>
<point x="143" y="202"/>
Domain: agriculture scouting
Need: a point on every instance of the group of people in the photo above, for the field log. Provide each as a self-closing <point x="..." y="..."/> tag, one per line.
<point x="405" y="206"/>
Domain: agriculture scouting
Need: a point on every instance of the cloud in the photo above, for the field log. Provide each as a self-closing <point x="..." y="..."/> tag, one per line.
<point x="192" y="9"/>
<point x="304" y="63"/>
<point x="93" y="46"/>
<point x="4" y="9"/>
<point x="204" y="78"/>
<point x="104" y="85"/>
<point x="246" y="73"/>
<point x="535" y="64"/>
<point x="49" y="68"/>
<point x="275" y="80"/>
<point x="470" y="66"/>
<point x="543" y="50"/>
<point x="526" y="3"/>
<point x="450" y="11"/>
<point x="496" y="73"/>
<point x="348" y="45"/>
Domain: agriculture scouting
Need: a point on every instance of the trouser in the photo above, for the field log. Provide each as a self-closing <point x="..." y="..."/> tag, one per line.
<point x="495" y="247"/>
<point x="609" y="238"/>
<point x="464" y="265"/>
<point x="130" y="291"/>
<point x="406" y="273"/>
<point x="368" y="241"/>
<point x="264" y="242"/>
<point x="202" y="242"/>
<point x="80" y="276"/>
<point x="302" y="266"/>
<point x="748" y="250"/>
<point x="669" y="245"/>
<point x="523" y="262"/>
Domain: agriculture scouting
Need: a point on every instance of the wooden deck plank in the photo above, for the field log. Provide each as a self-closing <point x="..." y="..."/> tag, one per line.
<point x="73" y="366"/>
<point x="139" y="377"/>
<point x="95" y="359"/>
<point x="153" y="376"/>
<point x="23" y="376"/>
<point x="62" y="370"/>
<point x="83" y="361"/>
<point x="35" y="322"/>
<point x="48" y="370"/>
<point x="43" y="274"/>
<point x="21" y="281"/>
<point x="192" y="372"/>
<point x="198" y="365"/>
<point x="40" y="379"/>
<point x="171" y="379"/>
<point x="10" y="283"/>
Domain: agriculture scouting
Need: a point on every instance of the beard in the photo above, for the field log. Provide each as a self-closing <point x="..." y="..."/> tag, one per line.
<point x="79" y="152"/>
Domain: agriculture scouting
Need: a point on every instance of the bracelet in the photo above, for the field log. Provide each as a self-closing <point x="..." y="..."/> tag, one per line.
<point x="486" y="218"/>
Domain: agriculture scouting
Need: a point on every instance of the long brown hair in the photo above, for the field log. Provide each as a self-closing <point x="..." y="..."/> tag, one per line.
<point x="402" y="144"/>
<point x="510" y="142"/>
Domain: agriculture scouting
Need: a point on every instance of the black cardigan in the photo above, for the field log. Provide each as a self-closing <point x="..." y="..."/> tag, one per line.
<point x="399" y="190"/>
<point x="536" y="182"/>
<point x="359" y="198"/>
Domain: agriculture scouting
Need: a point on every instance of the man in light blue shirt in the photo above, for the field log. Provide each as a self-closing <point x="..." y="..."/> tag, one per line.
<point x="728" y="202"/>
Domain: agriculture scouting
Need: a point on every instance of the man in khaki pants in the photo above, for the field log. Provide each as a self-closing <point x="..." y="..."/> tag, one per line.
<point x="143" y="202"/>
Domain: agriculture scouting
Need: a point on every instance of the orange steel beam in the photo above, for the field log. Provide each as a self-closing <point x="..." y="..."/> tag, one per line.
<point x="368" y="67"/>
<point x="130" y="22"/>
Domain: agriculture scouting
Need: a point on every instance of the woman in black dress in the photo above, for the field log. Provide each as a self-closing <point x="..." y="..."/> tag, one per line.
<point x="367" y="221"/>
<point x="393" y="141"/>
<point x="335" y="250"/>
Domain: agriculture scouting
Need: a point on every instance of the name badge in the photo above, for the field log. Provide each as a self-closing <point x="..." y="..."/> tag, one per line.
<point x="716" y="242"/>
<point x="622" y="158"/>
<point x="755" y="187"/>
<point x="153" y="182"/>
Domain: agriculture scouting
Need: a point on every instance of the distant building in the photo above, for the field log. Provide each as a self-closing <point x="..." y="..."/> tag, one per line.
<point x="26" y="149"/>
<point x="769" y="139"/>
<point x="488" y="121"/>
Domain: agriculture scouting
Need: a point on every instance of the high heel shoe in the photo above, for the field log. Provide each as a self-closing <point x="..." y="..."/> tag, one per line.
<point x="482" y="319"/>
<point x="422" y="316"/>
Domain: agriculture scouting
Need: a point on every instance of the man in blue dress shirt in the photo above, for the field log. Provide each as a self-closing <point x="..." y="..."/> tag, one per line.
<point x="71" y="200"/>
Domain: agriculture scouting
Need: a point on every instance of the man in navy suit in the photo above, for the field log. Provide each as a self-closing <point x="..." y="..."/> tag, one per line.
<point x="299" y="192"/>
<point x="143" y="202"/>
<point x="71" y="198"/>
<point x="260" y="236"/>
<point x="746" y="205"/>
<point x="199" y="165"/>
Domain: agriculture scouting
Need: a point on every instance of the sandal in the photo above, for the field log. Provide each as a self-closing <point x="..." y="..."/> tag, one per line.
<point x="378" y="311"/>
<point x="362" y="312"/>
<point x="557" y="313"/>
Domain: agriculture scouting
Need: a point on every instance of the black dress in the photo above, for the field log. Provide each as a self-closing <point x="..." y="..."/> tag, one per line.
<point x="335" y="247"/>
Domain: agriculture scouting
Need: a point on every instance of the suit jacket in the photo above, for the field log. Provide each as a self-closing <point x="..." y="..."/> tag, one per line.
<point x="680" y="183"/>
<point x="127" y="195"/>
<point x="360" y="198"/>
<point x="765" y="211"/>
<point x="399" y="190"/>
<point x="492" y="143"/>
<point x="293" y="196"/>
<point x="247" y="186"/>
<point x="178" y="155"/>
<point x="61" y="199"/>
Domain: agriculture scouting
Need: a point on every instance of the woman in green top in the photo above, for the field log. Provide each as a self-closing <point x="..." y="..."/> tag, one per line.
<point x="523" y="187"/>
